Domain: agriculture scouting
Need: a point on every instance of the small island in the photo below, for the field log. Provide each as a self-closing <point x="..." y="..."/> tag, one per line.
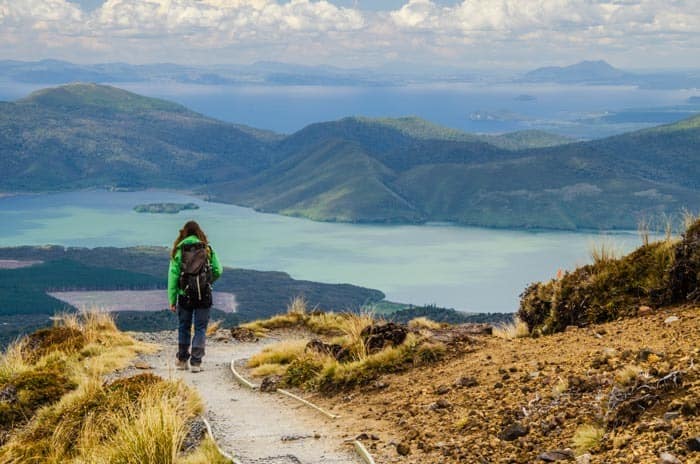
<point x="165" y="208"/>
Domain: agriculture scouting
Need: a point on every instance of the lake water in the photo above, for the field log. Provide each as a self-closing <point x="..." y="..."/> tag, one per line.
<point x="473" y="107"/>
<point x="467" y="268"/>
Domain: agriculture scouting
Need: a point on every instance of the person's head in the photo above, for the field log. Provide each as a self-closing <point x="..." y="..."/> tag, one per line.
<point x="190" y="228"/>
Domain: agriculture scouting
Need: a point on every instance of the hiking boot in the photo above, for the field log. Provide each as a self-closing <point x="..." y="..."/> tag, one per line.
<point x="196" y="368"/>
<point x="181" y="365"/>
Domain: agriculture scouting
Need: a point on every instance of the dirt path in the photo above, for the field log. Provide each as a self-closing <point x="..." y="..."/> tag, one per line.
<point x="253" y="426"/>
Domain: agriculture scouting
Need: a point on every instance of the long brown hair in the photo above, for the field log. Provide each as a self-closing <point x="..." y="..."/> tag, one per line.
<point x="190" y="228"/>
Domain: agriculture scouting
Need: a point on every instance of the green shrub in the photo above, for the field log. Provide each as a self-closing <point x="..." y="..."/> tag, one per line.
<point x="53" y="339"/>
<point x="26" y="392"/>
<point x="600" y="292"/>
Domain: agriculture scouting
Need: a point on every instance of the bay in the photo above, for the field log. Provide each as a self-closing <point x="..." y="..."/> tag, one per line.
<point x="467" y="268"/>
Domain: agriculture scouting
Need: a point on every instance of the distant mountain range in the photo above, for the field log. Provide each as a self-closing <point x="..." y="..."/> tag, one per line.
<point x="602" y="73"/>
<point x="52" y="72"/>
<point x="355" y="169"/>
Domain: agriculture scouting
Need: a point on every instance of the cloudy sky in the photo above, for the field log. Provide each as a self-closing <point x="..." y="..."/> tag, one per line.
<point x="355" y="33"/>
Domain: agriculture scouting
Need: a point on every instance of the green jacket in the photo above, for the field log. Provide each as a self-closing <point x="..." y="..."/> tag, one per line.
<point x="174" y="271"/>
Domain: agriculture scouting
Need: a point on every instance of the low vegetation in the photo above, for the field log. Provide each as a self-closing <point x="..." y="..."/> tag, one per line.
<point x="657" y="274"/>
<point x="56" y="407"/>
<point x="510" y="330"/>
<point x="587" y="437"/>
<point x="348" y="359"/>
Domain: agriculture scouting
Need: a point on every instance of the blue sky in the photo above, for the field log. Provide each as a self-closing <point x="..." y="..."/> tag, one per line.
<point x="468" y="34"/>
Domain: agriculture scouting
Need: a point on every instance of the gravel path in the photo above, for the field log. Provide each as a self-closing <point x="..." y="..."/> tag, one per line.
<point x="253" y="426"/>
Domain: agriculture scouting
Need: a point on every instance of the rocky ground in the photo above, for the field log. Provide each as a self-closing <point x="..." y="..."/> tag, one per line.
<point x="523" y="400"/>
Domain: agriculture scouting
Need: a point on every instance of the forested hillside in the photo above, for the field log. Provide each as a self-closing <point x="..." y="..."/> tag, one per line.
<point x="356" y="169"/>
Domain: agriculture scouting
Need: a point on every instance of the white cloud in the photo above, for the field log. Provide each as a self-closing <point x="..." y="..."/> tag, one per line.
<point x="317" y="30"/>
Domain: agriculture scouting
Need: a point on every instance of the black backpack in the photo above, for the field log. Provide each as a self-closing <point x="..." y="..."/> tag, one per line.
<point x="195" y="276"/>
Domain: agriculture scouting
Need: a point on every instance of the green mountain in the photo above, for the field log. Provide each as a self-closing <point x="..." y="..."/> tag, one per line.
<point x="354" y="169"/>
<point x="608" y="183"/>
<point x="86" y="135"/>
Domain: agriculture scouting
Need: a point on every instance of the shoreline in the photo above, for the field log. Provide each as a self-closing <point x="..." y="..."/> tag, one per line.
<point x="201" y="196"/>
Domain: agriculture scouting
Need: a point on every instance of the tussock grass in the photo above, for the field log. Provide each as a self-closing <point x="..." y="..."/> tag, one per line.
<point x="688" y="219"/>
<point x="628" y="375"/>
<point x="72" y="416"/>
<point x="263" y="370"/>
<point x="605" y="251"/>
<point x="352" y="326"/>
<point x="321" y="371"/>
<point x="12" y="360"/>
<point x="424" y="323"/>
<point x="279" y="353"/>
<point x="560" y="388"/>
<point x="587" y="437"/>
<point x="213" y="327"/>
<point x="206" y="453"/>
<point x="326" y="323"/>
<point x="152" y="430"/>
<point x="512" y="330"/>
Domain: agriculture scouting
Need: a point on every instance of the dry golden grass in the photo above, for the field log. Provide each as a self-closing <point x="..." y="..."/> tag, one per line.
<point x="392" y="358"/>
<point x="143" y="421"/>
<point x="329" y="323"/>
<point x="280" y="353"/>
<point x="587" y="437"/>
<point x="298" y="306"/>
<point x="628" y="375"/>
<point x="605" y="251"/>
<point x="263" y="370"/>
<point x="213" y="327"/>
<point x="424" y="323"/>
<point x="153" y="430"/>
<point x="688" y="219"/>
<point x="206" y="453"/>
<point x="560" y="388"/>
<point x="351" y="326"/>
<point x="512" y="330"/>
<point x="12" y="360"/>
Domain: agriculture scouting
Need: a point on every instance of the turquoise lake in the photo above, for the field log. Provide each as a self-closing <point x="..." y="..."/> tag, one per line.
<point x="466" y="268"/>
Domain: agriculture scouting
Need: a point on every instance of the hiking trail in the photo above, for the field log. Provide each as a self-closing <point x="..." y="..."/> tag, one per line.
<point x="255" y="427"/>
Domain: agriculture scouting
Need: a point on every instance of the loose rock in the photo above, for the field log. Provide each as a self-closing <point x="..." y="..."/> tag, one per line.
<point x="557" y="455"/>
<point x="668" y="458"/>
<point x="270" y="383"/>
<point x="404" y="449"/>
<point x="693" y="444"/>
<point x="466" y="382"/>
<point x="243" y="335"/>
<point x="514" y="431"/>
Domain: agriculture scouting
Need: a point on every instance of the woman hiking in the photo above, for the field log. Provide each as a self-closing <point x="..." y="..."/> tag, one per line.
<point x="193" y="268"/>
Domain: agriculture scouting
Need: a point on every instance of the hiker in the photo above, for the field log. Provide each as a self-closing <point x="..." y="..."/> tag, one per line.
<point x="193" y="268"/>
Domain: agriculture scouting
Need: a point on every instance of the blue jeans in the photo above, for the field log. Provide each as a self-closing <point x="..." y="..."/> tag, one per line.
<point x="184" y="334"/>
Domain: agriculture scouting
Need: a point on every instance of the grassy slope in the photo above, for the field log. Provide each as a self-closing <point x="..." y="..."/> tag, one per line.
<point x="88" y="135"/>
<point x="607" y="183"/>
<point x="354" y="169"/>
<point x="336" y="181"/>
<point x="59" y="407"/>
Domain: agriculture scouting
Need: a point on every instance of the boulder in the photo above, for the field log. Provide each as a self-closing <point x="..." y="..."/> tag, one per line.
<point x="331" y="349"/>
<point x="270" y="383"/>
<point x="243" y="334"/>
<point x="379" y="336"/>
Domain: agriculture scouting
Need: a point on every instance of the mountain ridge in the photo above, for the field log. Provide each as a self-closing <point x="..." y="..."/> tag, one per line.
<point x="355" y="169"/>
